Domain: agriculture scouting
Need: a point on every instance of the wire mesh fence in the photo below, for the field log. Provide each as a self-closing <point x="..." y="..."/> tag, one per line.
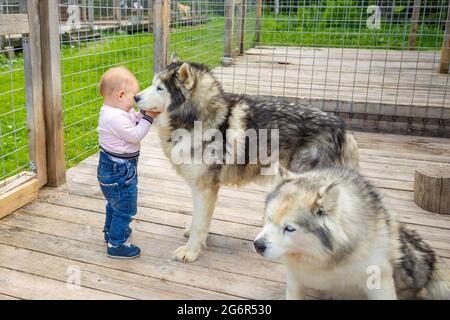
<point x="197" y="30"/>
<point x="365" y="57"/>
<point x="374" y="58"/>
<point x="13" y="127"/>
<point x="13" y="6"/>
<point x="95" y="36"/>
<point x="349" y="56"/>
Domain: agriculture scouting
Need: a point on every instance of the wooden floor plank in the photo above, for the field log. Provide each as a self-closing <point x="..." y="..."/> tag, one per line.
<point x="97" y="277"/>
<point x="7" y="297"/>
<point x="72" y="242"/>
<point x="432" y="234"/>
<point x="339" y="74"/>
<point x="227" y="210"/>
<point x="64" y="228"/>
<point x="29" y="286"/>
<point x="94" y="222"/>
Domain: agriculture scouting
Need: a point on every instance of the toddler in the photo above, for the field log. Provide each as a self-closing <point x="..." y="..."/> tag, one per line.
<point x="120" y="131"/>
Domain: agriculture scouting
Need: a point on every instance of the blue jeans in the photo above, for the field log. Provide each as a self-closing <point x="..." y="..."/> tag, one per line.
<point x="118" y="181"/>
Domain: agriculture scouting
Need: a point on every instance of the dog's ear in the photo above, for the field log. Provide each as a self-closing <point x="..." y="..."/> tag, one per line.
<point x="285" y="174"/>
<point x="328" y="198"/>
<point x="174" y="58"/>
<point x="186" y="76"/>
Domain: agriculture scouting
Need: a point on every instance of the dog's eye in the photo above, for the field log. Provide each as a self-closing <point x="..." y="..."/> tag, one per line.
<point x="159" y="88"/>
<point x="288" y="229"/>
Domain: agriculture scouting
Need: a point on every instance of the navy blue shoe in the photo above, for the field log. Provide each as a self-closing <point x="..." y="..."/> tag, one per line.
<point x="123" y="251"/>
<point x="107" y="235"/>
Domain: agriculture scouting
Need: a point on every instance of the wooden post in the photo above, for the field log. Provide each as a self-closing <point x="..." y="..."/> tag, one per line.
<point x="432" y="189"/>
<point x="31" y="45"/>
<point x="193" y="9"/>
<point x="237" y="26"/>
<point x="51" y="74"/>
<point x="2" y="37"/>
<point x="91" y="12"/>
<point x="242" y="27"/>
<point x="277" y="7"/>
<point x="83" y="11"/>
<point x="414" y="24"/>
<point x="229" y="24"/>
<point x="258" y="22"/>
<point x="138" y="9"/>
<point x="160" y="34"/>
<point x="445" y="51"/>
<point x="117" y="14"/>
<point x="150" y="14"/>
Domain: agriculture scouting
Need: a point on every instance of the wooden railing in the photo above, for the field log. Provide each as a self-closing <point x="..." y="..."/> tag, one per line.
<point x="40" y="43"/>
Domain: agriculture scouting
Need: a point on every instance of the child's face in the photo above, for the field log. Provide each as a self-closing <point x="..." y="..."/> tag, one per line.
<point x="125" y="96"/>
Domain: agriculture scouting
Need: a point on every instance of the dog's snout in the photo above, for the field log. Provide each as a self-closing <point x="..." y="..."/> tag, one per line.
<point x="136" y="99"/>
<point x="260" y="245"/>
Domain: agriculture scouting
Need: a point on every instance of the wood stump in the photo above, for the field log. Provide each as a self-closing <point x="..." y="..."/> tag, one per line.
<point x="432" y="189"/>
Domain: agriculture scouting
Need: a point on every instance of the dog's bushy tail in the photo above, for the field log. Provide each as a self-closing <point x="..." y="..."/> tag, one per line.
<point x="350" y="155"/>
<point x="439" y="286"/>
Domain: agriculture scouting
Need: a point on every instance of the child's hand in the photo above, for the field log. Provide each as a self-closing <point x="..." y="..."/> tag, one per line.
<point x="152" y="114"/>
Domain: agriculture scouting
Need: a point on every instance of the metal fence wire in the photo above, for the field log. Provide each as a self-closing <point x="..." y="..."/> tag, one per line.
<point x="95" y="36"/>
<point x="13" y="126"/>
<point x="382" y="61"/>
<point x="380" y="58"/>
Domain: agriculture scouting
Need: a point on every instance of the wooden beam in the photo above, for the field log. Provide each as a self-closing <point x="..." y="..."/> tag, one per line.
<point x="258" y="22"/>
<point x="31" y="45"/>
<point x="51" y="74"/>
<point x="445" y="51"/>
<point x="116" y="10"/>
<point x="16" y="23"/>
<point x="414" y="25"/>
<point x="90" y="10"/>
<point x="160" y="34"/>
<point x="83" y="10"/>
<point x="229" y="24"/>
<point x="16" y="198"/>
<point x="242" y="27"/>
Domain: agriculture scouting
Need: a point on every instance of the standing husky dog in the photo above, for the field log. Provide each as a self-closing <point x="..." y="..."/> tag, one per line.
<point x="332" y="230"/>
<point x="188" y="92"/>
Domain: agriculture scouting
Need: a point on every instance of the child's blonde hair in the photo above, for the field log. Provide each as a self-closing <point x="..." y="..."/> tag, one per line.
<point x="114" y="79"/>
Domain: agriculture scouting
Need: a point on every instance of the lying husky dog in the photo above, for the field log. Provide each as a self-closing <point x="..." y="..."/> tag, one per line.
<point x="187" y="94"/>
<point x="332" y="230"/>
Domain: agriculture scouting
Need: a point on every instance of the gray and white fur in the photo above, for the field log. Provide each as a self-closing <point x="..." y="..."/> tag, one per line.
<point x="186" y="92"/>
<point x="335" y="234"/>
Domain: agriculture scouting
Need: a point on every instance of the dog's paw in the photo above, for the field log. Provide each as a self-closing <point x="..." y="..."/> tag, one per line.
<point x="185" y="254"/>
<point x="187" y="232"/>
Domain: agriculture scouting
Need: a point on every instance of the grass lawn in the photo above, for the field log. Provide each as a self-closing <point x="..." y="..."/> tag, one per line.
<point x="83" y="64"/>
<point x="286" y="30"/>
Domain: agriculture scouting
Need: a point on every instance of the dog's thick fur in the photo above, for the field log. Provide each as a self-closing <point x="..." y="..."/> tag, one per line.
<point x="334" y="233"/>
<point x="188" y="92"/>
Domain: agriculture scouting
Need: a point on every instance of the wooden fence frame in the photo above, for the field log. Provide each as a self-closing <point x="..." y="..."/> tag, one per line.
<point x="445" y="51"/>
<point x="41" y="48"/>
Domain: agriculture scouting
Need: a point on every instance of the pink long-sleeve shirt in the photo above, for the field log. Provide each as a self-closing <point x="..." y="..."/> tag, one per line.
<point x="120" y="132"/>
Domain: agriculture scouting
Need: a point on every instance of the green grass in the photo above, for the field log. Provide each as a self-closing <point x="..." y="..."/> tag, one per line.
<point x="295" y="31"/>
<point x="82" y="66"/>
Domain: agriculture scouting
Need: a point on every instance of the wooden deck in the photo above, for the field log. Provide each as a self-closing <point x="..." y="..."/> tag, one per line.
<point x="47" y="242"/>
<point x="387" y="82"/>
